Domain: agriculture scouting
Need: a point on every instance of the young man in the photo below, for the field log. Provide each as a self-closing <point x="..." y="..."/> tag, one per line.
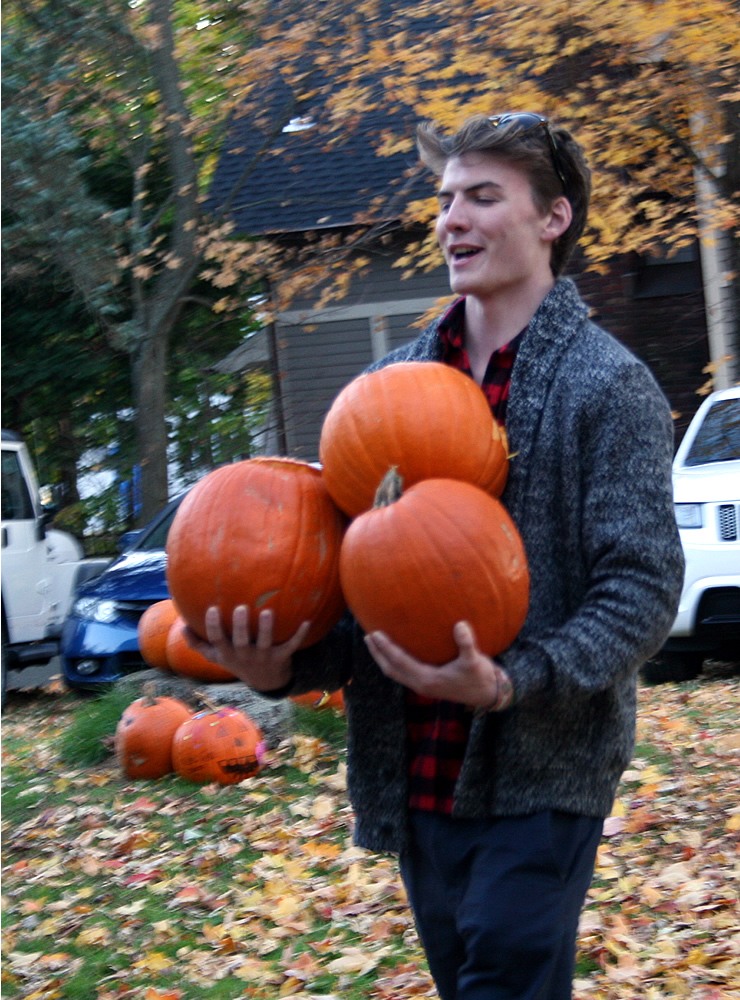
<point x="491" y="779"/>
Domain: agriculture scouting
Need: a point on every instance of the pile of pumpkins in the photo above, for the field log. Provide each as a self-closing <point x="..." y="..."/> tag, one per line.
<point x="402" y="523"/>
<point x="158" y="735"/>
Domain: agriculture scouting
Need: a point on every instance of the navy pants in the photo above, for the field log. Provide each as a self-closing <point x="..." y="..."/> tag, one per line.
<point x="497" y="901"/>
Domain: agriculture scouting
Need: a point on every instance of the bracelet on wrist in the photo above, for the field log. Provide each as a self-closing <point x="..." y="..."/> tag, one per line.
<point x="503" y="699"/>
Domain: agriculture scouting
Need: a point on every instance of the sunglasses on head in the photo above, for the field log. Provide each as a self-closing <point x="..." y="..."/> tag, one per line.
<point x="526" y="121"/>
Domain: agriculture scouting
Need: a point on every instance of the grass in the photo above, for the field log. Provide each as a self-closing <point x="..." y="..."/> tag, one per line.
<point x="87" y="739"/>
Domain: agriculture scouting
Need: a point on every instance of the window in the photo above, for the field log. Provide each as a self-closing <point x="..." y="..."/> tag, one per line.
<point x="718" y="439"/>
<point x="659" y="274"/>
<point x="16" y="500"/>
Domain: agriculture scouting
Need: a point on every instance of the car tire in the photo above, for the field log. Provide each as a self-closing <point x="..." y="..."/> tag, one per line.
<point x="672" y="666"/>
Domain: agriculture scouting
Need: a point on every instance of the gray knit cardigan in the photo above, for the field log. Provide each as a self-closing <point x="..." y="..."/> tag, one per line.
<point x="590" y="490"/>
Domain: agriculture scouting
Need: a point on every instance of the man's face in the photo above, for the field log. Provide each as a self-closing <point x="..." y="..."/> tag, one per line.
<point x="493" y="237"/>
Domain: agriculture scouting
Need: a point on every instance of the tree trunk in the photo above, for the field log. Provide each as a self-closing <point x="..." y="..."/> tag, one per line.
<point x="149" y="371"/>
<point x="67" y="458"/>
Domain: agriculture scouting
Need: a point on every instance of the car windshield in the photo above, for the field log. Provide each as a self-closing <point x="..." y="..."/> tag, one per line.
<point x="157" y="536"/>
<point x="718" y="439"/>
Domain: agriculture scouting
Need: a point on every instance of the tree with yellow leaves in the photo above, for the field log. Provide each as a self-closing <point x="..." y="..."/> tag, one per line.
<point x="649" y="86"/>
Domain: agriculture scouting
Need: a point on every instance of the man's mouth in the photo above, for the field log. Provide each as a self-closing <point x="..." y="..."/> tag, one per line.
<point x="464" y="253"/>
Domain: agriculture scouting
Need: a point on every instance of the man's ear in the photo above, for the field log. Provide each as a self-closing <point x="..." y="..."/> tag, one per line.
<point x="557" y="219"/>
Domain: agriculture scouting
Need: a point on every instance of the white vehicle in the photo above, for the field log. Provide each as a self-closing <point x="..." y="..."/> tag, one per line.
<point x="41" y="567"/>
<point x="706" y="493"/>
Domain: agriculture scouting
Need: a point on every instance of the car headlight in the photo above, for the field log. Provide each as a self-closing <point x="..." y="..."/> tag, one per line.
<point x="96" y="610"/>
<point x="688" y="515"/>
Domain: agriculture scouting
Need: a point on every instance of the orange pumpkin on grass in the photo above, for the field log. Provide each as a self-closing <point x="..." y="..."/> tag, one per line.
<point x="440" y="552"/>
<point x="143" y="738"/>
<point x="220" y="745"/>
<point x="263" y="532"/>
<point x="426" y="419"/>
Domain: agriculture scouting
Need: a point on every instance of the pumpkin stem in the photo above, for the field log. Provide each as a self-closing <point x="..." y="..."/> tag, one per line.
<point x="149" y="691"/>
<point x="390" y="488"/>
<point x="208" y="702"/>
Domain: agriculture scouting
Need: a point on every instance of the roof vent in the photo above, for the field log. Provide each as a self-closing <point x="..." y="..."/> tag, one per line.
<point x="299" y="124"/>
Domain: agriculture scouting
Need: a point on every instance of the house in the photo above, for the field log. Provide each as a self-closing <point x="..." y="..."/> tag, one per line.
<point x="657" y="306"/>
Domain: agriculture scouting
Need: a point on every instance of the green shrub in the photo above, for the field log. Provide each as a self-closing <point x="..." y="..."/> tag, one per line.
<point x="88" y="739"/>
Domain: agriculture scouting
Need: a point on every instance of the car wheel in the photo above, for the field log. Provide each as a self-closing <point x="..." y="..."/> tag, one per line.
<point x="672" y="666"/>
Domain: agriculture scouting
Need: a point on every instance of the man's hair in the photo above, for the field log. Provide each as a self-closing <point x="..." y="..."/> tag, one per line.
<point x="529" y="149"/>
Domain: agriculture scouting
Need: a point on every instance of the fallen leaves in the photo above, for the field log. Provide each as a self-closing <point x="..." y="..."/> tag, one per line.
<point x="662" y="918"/>
<point x="257" y="886"/>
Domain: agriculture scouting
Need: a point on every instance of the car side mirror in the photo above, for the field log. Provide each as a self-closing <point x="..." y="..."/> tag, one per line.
<point x="47" y="515"/>
<point x="127" y="540"/>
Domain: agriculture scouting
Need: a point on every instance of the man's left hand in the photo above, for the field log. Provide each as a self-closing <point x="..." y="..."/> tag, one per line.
<point x="472" y="678"/>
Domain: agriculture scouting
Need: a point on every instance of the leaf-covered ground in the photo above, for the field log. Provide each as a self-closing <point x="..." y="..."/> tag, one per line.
<point x="165" y="891"/>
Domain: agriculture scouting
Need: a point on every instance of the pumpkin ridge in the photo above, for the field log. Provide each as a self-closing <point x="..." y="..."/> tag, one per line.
<point x="363" y="442"/>
<point x="349" y="482"/>
<point x="303" y="554"/>
<point x="491" y="571"/>
<point x="393" y="430"/>
<point x="299" y="546"/>
<point x="440" y="554"/>
<point x="373" y="531"/>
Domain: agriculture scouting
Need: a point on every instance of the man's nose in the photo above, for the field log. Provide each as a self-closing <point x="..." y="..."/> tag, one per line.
<point x="456" y="217"/>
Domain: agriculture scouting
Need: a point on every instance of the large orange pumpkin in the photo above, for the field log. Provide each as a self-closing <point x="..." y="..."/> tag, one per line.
<point x="441" y="552"/>
<point x="187" y="662"/>
<point x="143" y="738"/>
<point x="222" y="745"/>
<point x="428" y="420"/>
<point x="262" y="532"/>
<point x="153" y="629"/>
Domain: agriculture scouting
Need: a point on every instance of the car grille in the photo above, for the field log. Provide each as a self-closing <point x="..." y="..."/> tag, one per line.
<point x="728" y="522"/>
<point x="131" y="611"/>
<point x="131" y="662"/>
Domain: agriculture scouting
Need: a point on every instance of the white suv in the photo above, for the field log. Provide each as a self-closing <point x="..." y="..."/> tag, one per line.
<point x="41" y="567"/>
<point x="706" y="493"/>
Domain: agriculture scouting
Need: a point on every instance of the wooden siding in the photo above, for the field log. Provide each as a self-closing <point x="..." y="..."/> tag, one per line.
<point x="320" y="352"/>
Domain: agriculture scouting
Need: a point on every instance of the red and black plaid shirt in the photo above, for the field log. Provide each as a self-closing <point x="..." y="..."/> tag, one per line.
<point x="438" y="730"/>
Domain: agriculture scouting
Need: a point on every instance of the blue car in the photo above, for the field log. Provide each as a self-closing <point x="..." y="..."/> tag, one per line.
<point x="99" y="638"/>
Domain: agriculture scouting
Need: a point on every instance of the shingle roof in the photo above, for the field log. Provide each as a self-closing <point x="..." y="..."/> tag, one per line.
<point x="304" y="183"/>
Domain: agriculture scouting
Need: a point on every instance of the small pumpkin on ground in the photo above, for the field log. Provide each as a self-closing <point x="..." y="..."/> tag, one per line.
<point x="153" y="629"/>
<point x="440" y="552"/>
<point x="220" y="745"/>
<point x="428" y="420"/>
<point x="188" y="663"/>
<point x="320" y="699"/>
<point x="143" y="738"/>
<point x="263" y="532"/>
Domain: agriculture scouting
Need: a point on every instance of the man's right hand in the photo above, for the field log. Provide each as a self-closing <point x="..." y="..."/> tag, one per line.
<point x="260" y="664"/>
